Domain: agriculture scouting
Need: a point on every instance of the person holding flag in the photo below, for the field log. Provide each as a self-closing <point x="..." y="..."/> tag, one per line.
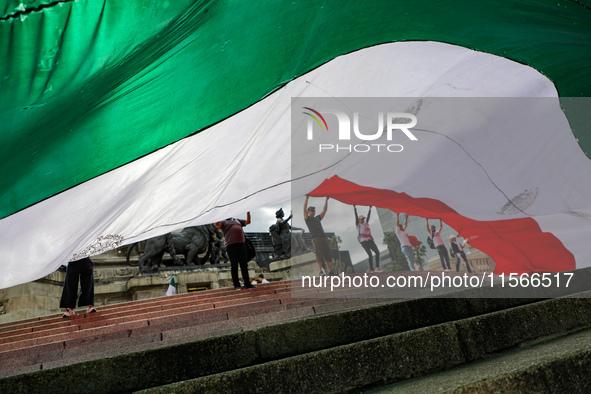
<point x="457" y="250"/>
<point x="405" y="243"/>
<point x="236" y="248"/>
<point x="435" y="235"/>
<point x="366" y="239"/>
<point x="319" y="239"/>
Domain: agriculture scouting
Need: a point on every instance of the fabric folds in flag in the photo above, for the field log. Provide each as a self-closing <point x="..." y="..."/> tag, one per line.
<point x="126" y="120"/>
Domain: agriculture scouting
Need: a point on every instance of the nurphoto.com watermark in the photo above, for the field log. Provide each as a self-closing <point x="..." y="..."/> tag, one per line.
<point x="433" y="281"/>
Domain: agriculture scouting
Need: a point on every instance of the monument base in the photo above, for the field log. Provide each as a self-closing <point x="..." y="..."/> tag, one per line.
<point x="296" y="266"/>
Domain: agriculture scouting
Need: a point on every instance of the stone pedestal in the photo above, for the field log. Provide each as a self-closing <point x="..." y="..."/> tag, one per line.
<point x="33" y="299"/>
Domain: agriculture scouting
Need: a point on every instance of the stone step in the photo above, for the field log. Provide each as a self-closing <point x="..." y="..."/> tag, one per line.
<point x="48" y="348"/>
<point x="423" y="354"/>
<point x="127" y="316"/>
<point x="142" y="307"/>
<point x="168" y="321"/>
<point x="555" y="364"/>
<point x="151" y="309"/>
<point x="162" y="301"/>
<point x="158" y="358"/>
<point x="253" y="298"/>
<point x="117" y="342"/>
<point x="120" y="342"/>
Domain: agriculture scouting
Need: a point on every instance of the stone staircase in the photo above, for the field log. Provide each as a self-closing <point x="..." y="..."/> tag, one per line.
<point x="271" y="339"/>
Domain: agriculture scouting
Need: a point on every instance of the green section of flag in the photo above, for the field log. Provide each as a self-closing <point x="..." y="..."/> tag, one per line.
<point x="89" y="86"/>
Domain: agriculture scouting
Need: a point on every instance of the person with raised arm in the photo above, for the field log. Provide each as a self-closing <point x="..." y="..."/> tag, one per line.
<point x="405" y="244"/>
<point x="435" y="235"/>
<point x="319" y="239"/>
<point x="236" y="248"/>
<point x="366" y="239"/>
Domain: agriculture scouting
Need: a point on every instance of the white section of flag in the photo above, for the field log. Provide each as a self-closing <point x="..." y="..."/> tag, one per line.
<point x="243" y="163"/>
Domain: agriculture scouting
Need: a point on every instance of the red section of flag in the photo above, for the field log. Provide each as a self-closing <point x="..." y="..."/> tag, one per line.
<point x="516" y="245"/>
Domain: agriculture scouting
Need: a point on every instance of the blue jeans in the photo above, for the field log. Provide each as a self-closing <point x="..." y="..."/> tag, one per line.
<point x="410" y="256"/>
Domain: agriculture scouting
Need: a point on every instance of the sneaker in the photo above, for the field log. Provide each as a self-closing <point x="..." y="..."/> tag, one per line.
<point x="236" y="287"/>
<point x="379" y="270"/>
<point x="90" y="309"/>
<point x="68" y="313"/>
<point x="321" y="273"/>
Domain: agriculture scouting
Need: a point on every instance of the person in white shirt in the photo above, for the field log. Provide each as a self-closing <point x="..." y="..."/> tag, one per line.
<point x="366" y="239"/>
<point x="262" y="279"/>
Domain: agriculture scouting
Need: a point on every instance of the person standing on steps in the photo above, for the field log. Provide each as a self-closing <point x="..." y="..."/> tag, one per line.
<point x="435" y="235"/>
<point x="236" y="249"/>
<point x="405" y="244"/>
<point x="319" y="239"/>
<point x="78" y="271"/>
<point x="366" y="239"/>
<point x="458" y="250"/>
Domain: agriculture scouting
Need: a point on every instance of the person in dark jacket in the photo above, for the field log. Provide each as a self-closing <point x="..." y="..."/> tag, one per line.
<point x="458" y="251"/>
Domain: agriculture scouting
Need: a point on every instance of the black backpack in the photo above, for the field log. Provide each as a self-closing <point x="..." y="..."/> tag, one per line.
<point x="250" y="251"/>
<point x="430" y="243"/>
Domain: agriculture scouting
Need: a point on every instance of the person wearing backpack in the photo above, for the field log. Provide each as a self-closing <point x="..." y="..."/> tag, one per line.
<point x="437" y="242"/>
<point x="236" y="248"/>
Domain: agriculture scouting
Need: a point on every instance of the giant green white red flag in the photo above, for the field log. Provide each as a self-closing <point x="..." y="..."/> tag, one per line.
<point x="125" y="120"/>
